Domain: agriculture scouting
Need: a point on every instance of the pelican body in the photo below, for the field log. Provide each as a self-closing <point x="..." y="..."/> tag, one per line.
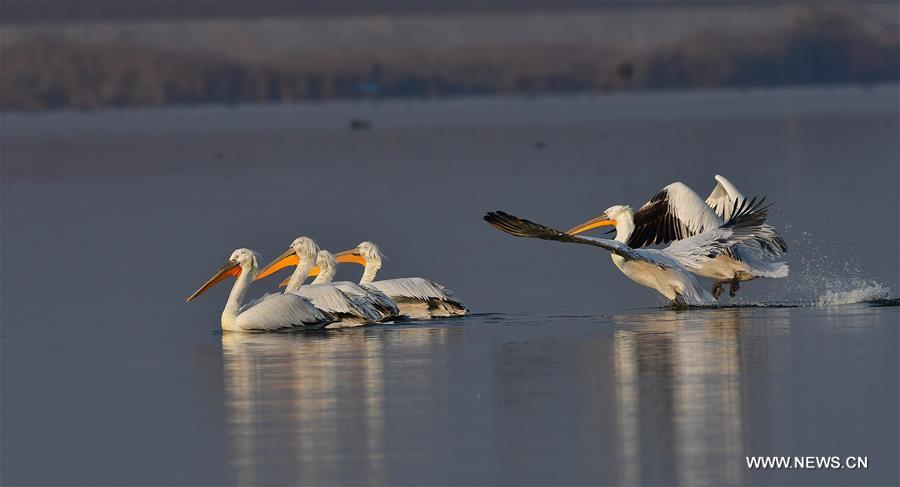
<point x="272" y="312"/>
<point x="677" y="212"/>
<point x="416" y="297"/>
<point x="668" y="270"/>
<point x="326" y="268"/>
<point x="305" y="255"/>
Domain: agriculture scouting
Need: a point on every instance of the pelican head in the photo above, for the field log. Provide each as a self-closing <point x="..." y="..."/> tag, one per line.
<point x="326" y="266"/>
<point x="241" y="260"/>
<point x="302" y="248"/>
<point x="363" y="254"/>
<point x="611" y="217"/>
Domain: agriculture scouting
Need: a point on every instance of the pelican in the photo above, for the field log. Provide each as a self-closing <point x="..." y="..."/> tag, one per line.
<point x="415" y="296"/>
<point x="324" y="271"/>
<point x="677" y="212"/>
<point x="666" y="270"/>
<point x="304" y="254"/>
<point x="272" y="312"/>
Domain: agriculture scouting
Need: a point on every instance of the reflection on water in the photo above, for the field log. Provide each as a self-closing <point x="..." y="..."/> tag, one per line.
<point x="678" y="390"/>
<point x="659" y="397"/>
<point x="300" y="406"/>
<point x="289" y="396"/>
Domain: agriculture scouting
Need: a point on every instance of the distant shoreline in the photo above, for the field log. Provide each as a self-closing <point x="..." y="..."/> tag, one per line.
<point x="83" y="71"/>
<point x="365" y="108"/>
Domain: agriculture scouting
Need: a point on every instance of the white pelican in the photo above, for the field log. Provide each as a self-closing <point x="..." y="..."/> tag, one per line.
<point x="415" y="296"/>
<point x="324" y="271"/>
<point x="271" y="312"/>
<point x="676" y="212"/>
<point x="666" y="270"/>
<point x="304" y="253"/>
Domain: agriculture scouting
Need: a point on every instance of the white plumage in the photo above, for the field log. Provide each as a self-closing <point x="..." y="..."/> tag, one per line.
<point x="279" y="312"/>
<point x="665" y="270"/>
<point x="676" y="212"/>
<point x="372" y="303"/>
<point x="271" y="312"/>
<point x="330" y="299"/>
<point x="305" y="254"/>
<point x="415" y="297"/>
<point x="723" y="196"/>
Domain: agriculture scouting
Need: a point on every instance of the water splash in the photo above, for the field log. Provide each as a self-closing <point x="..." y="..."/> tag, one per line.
<point x="824" y="274"/>
<point x="861" y="292"/>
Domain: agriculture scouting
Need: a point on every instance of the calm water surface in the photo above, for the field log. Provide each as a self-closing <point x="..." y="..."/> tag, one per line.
<point x="566" y="373"/>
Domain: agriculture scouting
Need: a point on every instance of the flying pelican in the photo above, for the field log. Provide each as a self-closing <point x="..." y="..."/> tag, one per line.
<point x="304" y="253"/>
<point x="324" y="271"/>
<point x="271" y="312"/>
<point x="676" y="212"/>
<point x="415" y="296"/>
<point x="665" y="270"/>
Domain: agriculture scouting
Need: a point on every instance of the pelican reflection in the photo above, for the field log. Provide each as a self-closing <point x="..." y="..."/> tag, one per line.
<point x="678" y="389"/>
<point x="298" y="403"/>
<point x="310" y="409"/>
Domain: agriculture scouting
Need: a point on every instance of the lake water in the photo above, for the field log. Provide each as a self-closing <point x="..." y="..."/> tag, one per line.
<point x="565" y="373"/>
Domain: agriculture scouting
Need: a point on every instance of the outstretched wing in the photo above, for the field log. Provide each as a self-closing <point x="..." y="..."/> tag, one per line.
<point x="767" y="244"/>
<point x="676" y="212"/>
<point x="520" y="227"/>
<point x="723" y="196"/>
<point x="748" y="218"/>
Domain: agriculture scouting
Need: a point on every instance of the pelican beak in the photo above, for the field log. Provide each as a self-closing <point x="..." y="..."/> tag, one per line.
<point x="351" y="255"/>
<point x="287" y="259"/>
<point x="231" y="268"/>
<point x="600" y="221"/>
<point x="312" y="273"/>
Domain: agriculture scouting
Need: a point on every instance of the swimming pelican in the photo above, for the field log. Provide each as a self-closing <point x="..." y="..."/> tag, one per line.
<point x="324" y="271"/>
<point x="666" y="270"/>
<point x="677" y="212"/>
<point x="269" y="313"/>
<point x="304" y="253"/>
<point x="415" y="296"/>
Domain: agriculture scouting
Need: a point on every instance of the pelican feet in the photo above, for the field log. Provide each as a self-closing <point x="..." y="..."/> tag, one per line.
<point x="717" y="289"/>
<point x="735" y="285"/>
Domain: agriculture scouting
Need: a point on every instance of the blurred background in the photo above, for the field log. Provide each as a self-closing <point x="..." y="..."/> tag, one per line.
<point x="88" y="54"/>
<point x="141" y="142"/>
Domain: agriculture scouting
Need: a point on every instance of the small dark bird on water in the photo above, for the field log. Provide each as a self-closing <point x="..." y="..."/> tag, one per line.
<point x="359" y="124"/>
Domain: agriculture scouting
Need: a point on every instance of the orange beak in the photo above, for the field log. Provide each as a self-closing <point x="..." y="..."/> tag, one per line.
<point x="312" y="273"/>
<point x="600" y="221"/>
<point x="352" y="256"/>
<point x="287" y="259"/>
<point x="231" y="268"/>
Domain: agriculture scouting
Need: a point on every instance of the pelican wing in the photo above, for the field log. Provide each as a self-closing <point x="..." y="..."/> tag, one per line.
<point x="417" y="288"/>
<point x="767" y="244"/>
<point x="520" y="227"/>
<point x="370" y="296"/>
<point x="330" y="299"/>
<point x="383" y="300"/>
<point x="748" y="218"/>
<point x="676" y="212"/>
<point x="723" y="196"/>
<point x="281" y="311"/>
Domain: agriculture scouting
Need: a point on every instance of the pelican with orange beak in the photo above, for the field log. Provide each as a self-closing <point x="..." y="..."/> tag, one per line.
<point x="303" y="254"/>
<point x="415" y="296"/>
<point x="667" y="270"/>
<point x="324" y="271"/>
<point x="677" y="212"/>
<point x="273" y="312"/>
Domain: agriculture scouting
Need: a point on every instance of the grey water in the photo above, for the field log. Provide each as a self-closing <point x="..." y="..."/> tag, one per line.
<point x="566" y="373"/>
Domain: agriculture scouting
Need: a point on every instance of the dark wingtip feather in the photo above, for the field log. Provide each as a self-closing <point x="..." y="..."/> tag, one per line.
<point x="748" y="213"/>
